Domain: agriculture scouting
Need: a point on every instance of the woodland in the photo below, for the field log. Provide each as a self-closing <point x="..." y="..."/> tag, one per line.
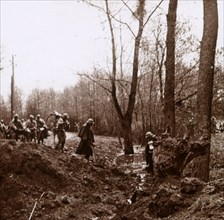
<point x="161" y="79"/>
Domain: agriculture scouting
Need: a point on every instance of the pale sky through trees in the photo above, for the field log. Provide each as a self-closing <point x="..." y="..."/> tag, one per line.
<point x="52" y="40"/>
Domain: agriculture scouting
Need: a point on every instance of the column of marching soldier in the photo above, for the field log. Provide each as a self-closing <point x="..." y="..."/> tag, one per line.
<point x="35" y="129"/>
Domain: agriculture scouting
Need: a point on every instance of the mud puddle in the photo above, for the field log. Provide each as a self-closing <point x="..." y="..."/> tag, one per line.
<point x="134" y="163"/>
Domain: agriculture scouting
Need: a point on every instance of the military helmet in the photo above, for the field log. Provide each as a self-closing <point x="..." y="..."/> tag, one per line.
<point x="149" y="134"/>
<point x="16" y="116"/>
<point x="31" y="117"/>
<point x="57" y="115"/>
<point x="65" y="115"/>
<point x="90" y="121"/>
<point x="38" y="115"/>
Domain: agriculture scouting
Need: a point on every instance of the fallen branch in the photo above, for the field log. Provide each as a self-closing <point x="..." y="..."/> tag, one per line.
<point x="35" y="204"/>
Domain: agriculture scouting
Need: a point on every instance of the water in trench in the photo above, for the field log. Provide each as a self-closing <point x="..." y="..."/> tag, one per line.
<point x="134" y="163"/>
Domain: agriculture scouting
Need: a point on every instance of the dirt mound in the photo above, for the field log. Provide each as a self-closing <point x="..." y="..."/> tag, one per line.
<point x="45" y="183"/>
<point x="61" y="184"/>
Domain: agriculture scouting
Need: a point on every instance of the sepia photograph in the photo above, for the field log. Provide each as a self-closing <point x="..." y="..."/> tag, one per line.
<point x="111" y="109"/>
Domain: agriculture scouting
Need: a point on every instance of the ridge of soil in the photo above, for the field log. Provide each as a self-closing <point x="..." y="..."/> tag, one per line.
<point x="39" y="182"/>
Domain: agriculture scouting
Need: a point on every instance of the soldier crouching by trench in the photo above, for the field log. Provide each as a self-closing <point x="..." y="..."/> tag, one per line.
<point x="150" y="137"/>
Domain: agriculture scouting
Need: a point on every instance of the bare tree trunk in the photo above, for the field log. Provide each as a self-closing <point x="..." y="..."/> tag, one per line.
<point x="150" y="98"/>
<point x="160" y="63"/>
<point x="205" y="85"/>
<point x="169" y="103"/>
<point x="126" y="118"/>
<point x="142" y="108"/>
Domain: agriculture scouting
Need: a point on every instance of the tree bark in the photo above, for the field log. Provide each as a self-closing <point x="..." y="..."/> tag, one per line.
<point x="169" y="103"/>
<point x="205" y="83"/>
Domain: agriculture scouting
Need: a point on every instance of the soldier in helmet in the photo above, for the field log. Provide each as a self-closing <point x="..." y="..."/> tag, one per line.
<point x="16" y="126"/>
<point x="150" y="137"/>
<point x="31" y="128"/>
<point x="57" y="116"/>
<point x="2" y="124"/>
<point x="61" y="126"/>
<point x="42" y="129"/>
<point x="85" y="146"/>
<point x="3" y="129"/>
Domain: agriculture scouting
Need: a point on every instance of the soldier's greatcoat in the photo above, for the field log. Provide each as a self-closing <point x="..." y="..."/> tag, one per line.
<point x="86" y="142"/>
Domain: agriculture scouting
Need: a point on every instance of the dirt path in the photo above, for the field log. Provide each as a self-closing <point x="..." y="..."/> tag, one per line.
<point x="70" y="136"/>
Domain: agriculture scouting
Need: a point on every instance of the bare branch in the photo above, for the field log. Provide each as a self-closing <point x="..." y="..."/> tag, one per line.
<point x="93" y="5"/>
<point x="153" y="12"/>
<point x="132" y="12"/>
<point x="112" y="16"/>
<point x="93" y="80"/>
<point x="102" y="86"/>
<point x="185" y="98"/>
<point x="184" y="110"/>
<point x="124" y="23"/>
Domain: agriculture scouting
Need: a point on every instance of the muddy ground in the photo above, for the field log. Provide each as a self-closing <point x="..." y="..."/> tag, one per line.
<point x="39" y="182"/>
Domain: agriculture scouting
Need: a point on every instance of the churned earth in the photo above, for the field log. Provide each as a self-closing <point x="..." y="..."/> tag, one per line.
<point x="39" y="182"/>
